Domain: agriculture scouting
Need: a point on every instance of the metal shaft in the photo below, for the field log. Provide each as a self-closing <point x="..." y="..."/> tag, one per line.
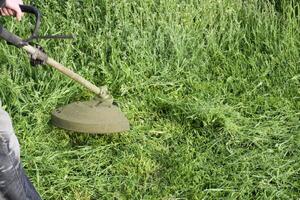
<point x="101" y="92"/>
<point x="76" y="77"/>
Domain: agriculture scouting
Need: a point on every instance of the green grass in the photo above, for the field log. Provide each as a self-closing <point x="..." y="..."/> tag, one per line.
<point x="211" y="89"/>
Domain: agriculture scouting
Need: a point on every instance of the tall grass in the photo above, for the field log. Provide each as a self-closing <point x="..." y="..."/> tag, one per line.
<point x="211" y="89"/>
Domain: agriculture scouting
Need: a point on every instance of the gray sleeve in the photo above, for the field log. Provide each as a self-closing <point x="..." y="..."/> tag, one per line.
<point x="2" y="3"/>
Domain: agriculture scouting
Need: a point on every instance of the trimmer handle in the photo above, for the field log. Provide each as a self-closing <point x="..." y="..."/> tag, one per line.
<point x="17" y="41"/>
<point x="38" y="16"/>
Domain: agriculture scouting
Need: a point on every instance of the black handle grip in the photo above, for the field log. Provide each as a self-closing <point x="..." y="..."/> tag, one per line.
<point x="38" y="16"/>
<point x="11" y="38"/>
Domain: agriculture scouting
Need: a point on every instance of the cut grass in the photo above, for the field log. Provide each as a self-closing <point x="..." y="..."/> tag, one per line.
<point x="211" y="89"/>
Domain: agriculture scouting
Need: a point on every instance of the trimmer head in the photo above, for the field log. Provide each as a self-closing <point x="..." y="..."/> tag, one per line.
<point x="90" y="117"/>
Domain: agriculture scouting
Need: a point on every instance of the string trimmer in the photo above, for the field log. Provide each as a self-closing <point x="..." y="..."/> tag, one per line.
<point x="96" y="116"/>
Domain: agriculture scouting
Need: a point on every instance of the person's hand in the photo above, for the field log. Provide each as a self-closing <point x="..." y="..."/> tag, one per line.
<point x="12" y="8"/>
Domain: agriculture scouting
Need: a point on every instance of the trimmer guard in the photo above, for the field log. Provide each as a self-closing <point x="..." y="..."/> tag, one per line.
<point x="90" y="117"/>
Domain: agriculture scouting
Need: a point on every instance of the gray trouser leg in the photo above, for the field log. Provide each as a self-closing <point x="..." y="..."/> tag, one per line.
<point x="7" y="133"/>
<point x="14" y="184"/>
